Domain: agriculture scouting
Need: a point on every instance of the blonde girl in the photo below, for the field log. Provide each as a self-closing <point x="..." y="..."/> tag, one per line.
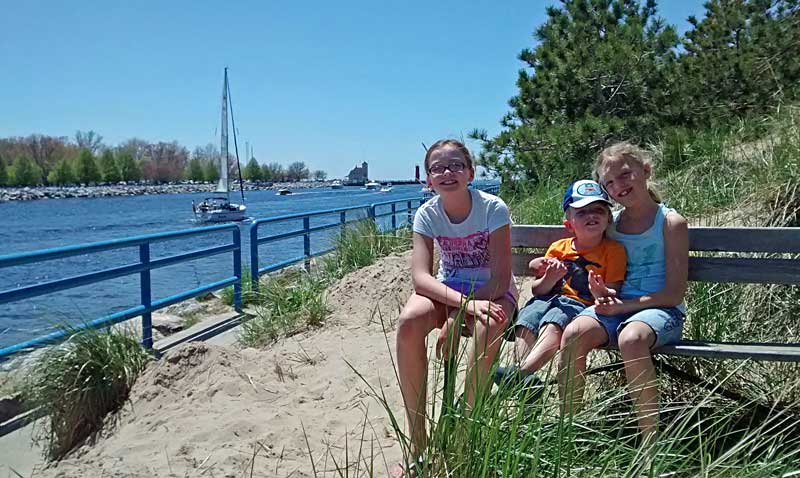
<point x="649" y="312"/>
<point x="472" y="230"/>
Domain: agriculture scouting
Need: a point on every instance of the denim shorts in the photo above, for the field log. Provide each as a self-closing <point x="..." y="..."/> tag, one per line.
<point x="469" y="289"/>
<point x="667" y="323"/>
<point x="555" y="309"/>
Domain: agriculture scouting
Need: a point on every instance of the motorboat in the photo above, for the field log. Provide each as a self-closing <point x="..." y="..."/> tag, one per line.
<point x="387" y="188"/>
<point x="219" y="208"/>
<point x="372" y="186"/>
<point x="336" y="184"/>
<point x="283" y="192"/>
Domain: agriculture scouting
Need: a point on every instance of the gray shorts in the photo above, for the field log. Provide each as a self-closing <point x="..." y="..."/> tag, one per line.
<point x="667" y="323"/>
<point x="555" y="309"/>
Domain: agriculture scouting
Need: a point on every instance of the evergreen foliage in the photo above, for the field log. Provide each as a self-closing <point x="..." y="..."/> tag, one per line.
<point x="24" y="172"/>
<point x="253" y="170"/>
<point x="211" y="171"/>
<point x="62" y="174"/>
<point x="273" y="172"/>
<point x="195" y="170"/>
<point x="128" y="168"/>
<point x="86" y="170"/>
<point x="3" y="172"/>
<point x="108" y="166"/>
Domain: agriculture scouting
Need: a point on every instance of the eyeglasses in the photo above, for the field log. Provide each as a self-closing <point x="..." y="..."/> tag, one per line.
<point x="453" y="167"/>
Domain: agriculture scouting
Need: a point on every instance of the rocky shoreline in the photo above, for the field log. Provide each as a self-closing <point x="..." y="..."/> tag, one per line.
<point x="119" y="190"/>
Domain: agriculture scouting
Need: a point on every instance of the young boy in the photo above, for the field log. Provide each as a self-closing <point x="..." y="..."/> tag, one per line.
<point x="566" y="281"/>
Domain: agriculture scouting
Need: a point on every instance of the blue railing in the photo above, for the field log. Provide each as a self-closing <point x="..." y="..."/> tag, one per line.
<point x="372" y="212"/>
<point x="142" y="267"/>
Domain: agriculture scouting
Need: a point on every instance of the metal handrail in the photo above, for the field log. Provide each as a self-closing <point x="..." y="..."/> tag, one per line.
<point x="256" y="271"/>
<point x="142" y="267"/>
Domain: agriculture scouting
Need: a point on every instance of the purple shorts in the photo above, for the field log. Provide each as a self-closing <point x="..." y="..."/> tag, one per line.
<point x="468" y="288"/>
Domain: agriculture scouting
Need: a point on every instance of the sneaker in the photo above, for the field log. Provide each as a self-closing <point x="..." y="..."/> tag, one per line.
<point x="531" y="388"/>
<point x="507" y="376"/>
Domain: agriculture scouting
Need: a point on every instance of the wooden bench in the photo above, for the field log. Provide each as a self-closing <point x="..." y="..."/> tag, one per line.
<point x="734" y="264"/>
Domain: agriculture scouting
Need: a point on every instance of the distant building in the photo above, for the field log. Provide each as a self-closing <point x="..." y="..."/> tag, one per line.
<point x="358" y="175"/>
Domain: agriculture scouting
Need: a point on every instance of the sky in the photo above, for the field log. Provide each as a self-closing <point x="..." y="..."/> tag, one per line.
<point x="328" y="83"/>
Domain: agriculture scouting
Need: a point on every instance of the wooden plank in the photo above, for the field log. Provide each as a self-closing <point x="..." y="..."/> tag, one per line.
<point x="745" y="239"/>
<point x="774" y="352"/>
<point x="730" y="239"/>
<point x="744" y="270"/>
<point x="536" y="236"/>
<point x="519" y="263"/>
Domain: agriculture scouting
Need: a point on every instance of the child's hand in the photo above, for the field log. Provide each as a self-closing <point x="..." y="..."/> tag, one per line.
<point x="484" y="310"/>
<point x="447" y="343"/>
<point x="537" y="266"/>
<point x="555" y="269"/>
<point x="609" y="306"/>
<point x="598" y="288"/>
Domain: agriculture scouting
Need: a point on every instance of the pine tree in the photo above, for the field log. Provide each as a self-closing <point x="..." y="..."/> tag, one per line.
<point x="128" y="169"/>
<point x="24" y="171"/>
<point x="253" y="171"/>
<point x="108" y="166"/>
<point x="211" y="171"/>
<point x="86" y="170"/>
<point x="62" y="174"/>
<point x="194" y="171"/>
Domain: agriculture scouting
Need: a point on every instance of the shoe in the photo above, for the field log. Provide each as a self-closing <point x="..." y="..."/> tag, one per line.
<point x="507" y="376"/>
<point x="531" y="389"/>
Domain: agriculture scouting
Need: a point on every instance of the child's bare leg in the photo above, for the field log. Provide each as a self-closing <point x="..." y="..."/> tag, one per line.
<point x="544" y="348"/>
<point x="419" y="316"/>
<point x="487" y="339"/>
<point x="635" y="341"/>
<point x="581" y="336"/>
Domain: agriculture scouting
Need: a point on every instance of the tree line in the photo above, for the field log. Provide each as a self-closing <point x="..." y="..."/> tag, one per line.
<point x="84" y="159"/>
<point x="606" y="70"/>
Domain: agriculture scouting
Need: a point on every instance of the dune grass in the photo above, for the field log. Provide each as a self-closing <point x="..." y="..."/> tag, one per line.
<point x="78" y="383"/>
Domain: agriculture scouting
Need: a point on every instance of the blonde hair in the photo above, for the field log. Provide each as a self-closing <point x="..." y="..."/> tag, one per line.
<point x="630" y="152"/>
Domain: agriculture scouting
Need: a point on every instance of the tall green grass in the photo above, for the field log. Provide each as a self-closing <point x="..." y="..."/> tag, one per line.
<point x="294" y="299"/>
<point x="78" y="383"/>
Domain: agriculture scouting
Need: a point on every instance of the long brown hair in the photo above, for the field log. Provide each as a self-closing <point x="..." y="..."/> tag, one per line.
<point x="631" y="152"/>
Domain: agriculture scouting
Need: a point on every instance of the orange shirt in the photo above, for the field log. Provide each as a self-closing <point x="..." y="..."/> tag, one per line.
<point x="607" y="259"/>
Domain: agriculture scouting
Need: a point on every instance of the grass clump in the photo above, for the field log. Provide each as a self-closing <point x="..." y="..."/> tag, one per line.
<point x="294" y="299"/>
<point x="248" y="296"/>
<point x="78" y="383"/>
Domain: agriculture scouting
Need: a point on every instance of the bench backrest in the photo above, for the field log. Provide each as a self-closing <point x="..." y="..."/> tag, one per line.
<point x="734" y="264"/>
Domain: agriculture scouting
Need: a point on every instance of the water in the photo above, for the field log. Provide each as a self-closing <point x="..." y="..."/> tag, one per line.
<point x="34" y="225"/>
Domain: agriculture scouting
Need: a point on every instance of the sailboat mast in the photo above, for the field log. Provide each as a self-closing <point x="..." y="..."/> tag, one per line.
<point x="235" y="144"/>
<point x="224" y="160"/>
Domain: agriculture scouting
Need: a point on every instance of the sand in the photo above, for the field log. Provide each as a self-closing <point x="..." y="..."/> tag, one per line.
<point x="205" y="410"/>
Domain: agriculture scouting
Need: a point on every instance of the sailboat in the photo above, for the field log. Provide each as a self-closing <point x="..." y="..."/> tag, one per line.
<point x="219" y="208"/>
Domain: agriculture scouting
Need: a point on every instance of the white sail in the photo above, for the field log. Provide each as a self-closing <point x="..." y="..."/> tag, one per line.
<point x="222" y="185"/>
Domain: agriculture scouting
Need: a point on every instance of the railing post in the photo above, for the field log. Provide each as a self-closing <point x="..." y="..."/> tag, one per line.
<point x="409" y="214"/>
<point x="146" y="296"/>
<point x="394" y="217"/>
<point x="254" y="257"/>
<point x="371" y="214"/>
<point x="307" y="242"/>
<point x="237" y="270"/>
<point x="342" y="221"/>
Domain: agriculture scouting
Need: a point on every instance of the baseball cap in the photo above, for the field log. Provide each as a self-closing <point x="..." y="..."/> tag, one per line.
<point x="584" y="192"/>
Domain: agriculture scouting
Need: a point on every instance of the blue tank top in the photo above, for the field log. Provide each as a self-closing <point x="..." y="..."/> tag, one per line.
<point x="646" y="268"/>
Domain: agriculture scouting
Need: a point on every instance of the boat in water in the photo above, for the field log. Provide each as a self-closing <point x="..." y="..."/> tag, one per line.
<point x="283" y="192"/>
<point x="219" y="208"/>
<point x="386" y="189"/>
<point x="336" y="184"/>
<point x="372" y="186"/>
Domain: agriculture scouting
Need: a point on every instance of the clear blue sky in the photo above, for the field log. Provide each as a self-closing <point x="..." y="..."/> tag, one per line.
<point x="328" y="83"/>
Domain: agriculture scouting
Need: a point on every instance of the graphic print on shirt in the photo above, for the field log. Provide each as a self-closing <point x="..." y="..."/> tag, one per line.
<point x="470" y="252"/>
<point x="578" y="276"/>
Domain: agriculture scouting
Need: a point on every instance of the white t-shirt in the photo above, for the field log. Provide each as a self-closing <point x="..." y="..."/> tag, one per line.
<point x="464" y="247"/>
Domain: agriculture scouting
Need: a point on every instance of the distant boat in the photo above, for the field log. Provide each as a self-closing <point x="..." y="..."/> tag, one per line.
<point x="283" y="192"/>
<point x="372" y="186"/>
<point x="219" y="208"/>
<point x="336" y="184"/>
<point x="387" y="188"/>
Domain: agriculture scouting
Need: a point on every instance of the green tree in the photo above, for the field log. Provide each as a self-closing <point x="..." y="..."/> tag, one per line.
<point x="319" y="175"/>
<point x="129" y="170"/>
<point x="211" y="170"/>
<point x="194" y="171"/>
<point x="24" y="171"/>
<point x="3" y="172"/>
<point x="62" y="174"/>
<point x="273" y="172"/>
<point x="297" y="171"/>
<point x="108" y="166"/>
<point x="601" y="70"/>
<point x="86" y="170"/>
<point x="253" y="171"/>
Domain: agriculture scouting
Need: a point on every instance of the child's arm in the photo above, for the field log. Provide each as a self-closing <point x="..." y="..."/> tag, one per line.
<point x="499" y="263"/>
<point x="426" y="285"/>
<point x="553" y="272"/>
<point x="600" y="289"/>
